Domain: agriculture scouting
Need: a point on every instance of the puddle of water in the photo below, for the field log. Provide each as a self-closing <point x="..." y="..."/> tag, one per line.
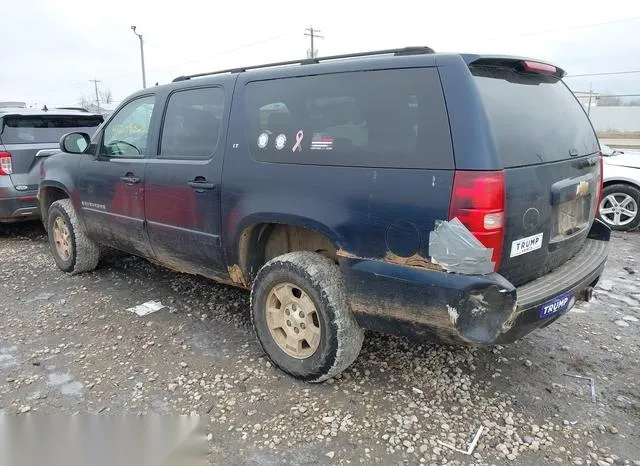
<point x="8" y="349"/>
<point x="58" y="379"/>
<point x="7" y="359"/>
<point x="72" y="388"/>
<point x="65" y="383"/>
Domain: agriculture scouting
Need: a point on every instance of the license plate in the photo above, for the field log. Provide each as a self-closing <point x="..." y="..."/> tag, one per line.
<point x="556" y="305"/>
<point x="572" y="216"/>
<point x="525" y="245"/>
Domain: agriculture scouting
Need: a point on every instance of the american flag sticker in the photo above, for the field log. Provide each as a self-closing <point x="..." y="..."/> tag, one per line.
<point x="321" y="142"/>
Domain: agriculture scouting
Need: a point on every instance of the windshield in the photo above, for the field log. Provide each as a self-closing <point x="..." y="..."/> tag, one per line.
<point x="37" y="129"/>
<point x="535" y="118"/>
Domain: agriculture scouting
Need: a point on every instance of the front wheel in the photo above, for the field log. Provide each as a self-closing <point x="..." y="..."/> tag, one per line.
<point x="72" y="250"/>
<point x="302" y="318"/>
<point x="619" y="207"/>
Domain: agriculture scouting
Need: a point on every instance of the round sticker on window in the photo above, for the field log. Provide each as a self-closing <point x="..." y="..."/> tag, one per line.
<point x="281" y="141"/>
<point x="263" y="140"/>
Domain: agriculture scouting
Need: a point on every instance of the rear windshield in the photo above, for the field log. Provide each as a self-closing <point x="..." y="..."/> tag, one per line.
<point x="535" y="118"/>
<point x="36" y="129"/>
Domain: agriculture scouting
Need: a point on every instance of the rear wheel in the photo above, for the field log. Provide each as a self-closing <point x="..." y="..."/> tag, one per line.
<point x="619" y="207"/>
<point x="72" y="250"/>
<point x="302" y="318"/>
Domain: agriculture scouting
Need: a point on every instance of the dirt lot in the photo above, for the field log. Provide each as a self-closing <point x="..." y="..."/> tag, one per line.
<point x="68" y="344"/>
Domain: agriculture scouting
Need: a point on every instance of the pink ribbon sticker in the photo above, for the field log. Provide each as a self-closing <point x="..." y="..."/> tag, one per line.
<point x="298" y="144"/>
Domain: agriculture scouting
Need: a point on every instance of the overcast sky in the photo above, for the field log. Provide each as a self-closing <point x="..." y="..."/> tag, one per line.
<point x="52" y="49"/>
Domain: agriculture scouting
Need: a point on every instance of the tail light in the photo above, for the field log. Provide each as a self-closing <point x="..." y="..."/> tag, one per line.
<point x="478" y="201"/>
<point x="6" y="167"/>
<point x="600" y="192"/>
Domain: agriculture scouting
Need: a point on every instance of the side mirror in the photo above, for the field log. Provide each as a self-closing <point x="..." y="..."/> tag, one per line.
<point x="74" y="143"/>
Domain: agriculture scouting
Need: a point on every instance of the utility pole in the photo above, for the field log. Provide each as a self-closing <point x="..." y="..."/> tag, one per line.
<point x="95" y="85"/>
<point x="312" y="34"/>
<point x="144" y="78"/>
<point x="589" y="106"/>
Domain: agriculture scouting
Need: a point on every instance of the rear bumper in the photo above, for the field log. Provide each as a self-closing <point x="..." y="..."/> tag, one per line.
<point x="18" y="205"/>
<point x="470" y="309"/>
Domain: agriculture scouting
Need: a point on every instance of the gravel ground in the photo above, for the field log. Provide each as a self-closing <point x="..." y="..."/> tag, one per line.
<point x="68" y="345"/>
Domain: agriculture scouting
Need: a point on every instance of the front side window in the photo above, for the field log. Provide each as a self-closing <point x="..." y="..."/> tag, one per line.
<point x="385" y="118"/>
<point x="191" y="125"/>
<point x="127" y="133"/>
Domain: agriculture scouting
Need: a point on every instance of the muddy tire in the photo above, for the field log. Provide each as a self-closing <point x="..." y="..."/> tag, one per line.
<point x="619" y="207"/>
<point x="72" y="250"/>
<point x="302" y="318"/>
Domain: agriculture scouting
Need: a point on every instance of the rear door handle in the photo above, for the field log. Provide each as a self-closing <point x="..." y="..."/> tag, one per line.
<point x="201" y="185"/>
<point x="130" y="179"/>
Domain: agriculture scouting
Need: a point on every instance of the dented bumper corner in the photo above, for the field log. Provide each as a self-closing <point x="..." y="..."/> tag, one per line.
<point x="470" y="309"/>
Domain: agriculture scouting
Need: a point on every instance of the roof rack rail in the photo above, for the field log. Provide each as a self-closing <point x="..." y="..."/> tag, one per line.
<point x="308" y="61"/>
<point x="79" y="109"/>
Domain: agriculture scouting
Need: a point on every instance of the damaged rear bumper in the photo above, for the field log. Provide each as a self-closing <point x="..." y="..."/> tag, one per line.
<point x="472" y="309"/>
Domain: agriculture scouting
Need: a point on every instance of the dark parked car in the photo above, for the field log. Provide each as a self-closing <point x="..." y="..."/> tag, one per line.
<point x="444" y="196"/>
<point x="26" y="138"/>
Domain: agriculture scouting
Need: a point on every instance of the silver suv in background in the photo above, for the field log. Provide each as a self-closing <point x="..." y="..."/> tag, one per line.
<point x="28" y="136"/>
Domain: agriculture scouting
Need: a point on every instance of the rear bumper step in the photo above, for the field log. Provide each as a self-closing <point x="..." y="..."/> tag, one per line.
<point x="574" y="280"/>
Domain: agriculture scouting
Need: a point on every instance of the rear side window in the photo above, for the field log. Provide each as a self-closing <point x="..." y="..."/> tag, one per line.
<point x="191" y="127"/>
<point x="535" y="118"/>
<point x="36" y="129"/>
<point x="387" y="118"/>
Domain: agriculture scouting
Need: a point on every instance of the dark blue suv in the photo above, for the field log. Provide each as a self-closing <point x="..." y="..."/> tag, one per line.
<point x="445" y="196"/>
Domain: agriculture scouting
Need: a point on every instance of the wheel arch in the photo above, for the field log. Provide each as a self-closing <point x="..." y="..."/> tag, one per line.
<point x="261" y="238"/>
<point x="624" y="181"/>
<point x="49" y="193"/>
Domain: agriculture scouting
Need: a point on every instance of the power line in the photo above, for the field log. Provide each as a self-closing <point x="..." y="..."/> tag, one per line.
<point x="252" y="44"/>
<point x="312" y="34"/>
<point x="602" y="74"/>
<point x="616" y="95"/>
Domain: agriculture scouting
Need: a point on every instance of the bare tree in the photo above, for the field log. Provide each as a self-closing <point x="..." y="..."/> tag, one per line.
<point x="106" y="97"/>
<point x="85" y="102"/>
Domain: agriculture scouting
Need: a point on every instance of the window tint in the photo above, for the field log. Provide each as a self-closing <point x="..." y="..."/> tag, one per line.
<point x="127" y="132"/>
<point x="191" y="125"/>
<point x="535" y="118"/>
<point x="388" y="118"/>
<point x="35" y="129"/>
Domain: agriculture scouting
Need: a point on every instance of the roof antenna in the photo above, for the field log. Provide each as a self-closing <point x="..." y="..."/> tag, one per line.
<point x="45" y="109"/>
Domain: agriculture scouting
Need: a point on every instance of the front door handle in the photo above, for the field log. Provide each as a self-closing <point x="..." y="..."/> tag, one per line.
<point x="201" y="185"/>
<point x="130" y="178"/>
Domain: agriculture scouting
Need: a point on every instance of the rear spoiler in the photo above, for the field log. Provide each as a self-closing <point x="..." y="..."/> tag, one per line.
<point x="521" y="64"/>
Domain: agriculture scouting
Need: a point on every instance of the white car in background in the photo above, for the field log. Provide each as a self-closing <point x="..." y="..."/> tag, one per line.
<point x="621" y="199"/>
